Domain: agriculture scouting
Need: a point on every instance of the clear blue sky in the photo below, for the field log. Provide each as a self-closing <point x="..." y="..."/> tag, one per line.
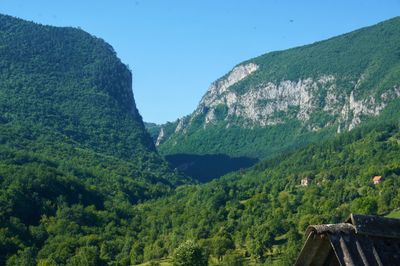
<point x="176" y="48"/>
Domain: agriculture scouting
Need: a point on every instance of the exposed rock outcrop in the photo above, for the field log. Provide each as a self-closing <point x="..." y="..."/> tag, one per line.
<point x="160" y="137"/>
<point x="274" y="103"/>
<point x="285" y="99"/>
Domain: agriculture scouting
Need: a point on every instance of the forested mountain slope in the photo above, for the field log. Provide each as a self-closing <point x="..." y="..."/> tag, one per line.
<point x="286" y="99"/>
<point x="259" y="215"/>
<point x="74" y="153"/>
<point x="82" y="184"/>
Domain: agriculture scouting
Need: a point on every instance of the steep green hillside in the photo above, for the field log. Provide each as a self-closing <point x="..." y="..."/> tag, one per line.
<point x="283" y="100"/>
<point x="66" y="80"/>
<point x="74" y="153"/>
<point x="153" y="129"/>
<point x="259" y="215"/>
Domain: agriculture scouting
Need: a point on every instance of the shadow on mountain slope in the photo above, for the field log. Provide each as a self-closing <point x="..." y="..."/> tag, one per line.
<point x="207" y="167"/>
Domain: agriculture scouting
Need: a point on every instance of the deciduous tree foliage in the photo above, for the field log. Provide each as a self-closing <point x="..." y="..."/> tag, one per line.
<point x="264" y="210"/>
<point x="74" y="154"/>
<point x="189" y="253"/>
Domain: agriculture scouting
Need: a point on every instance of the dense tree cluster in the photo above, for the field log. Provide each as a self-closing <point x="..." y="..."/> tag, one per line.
<point x="74" y="154"/>
<point x="260" y="214"/>
<point x="189" y="253"/>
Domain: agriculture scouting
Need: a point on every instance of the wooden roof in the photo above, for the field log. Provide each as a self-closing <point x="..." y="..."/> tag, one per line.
<point x="361" y="240"/>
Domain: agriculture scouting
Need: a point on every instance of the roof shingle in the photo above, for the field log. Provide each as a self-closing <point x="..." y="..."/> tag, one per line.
<point x="361" y="240"/>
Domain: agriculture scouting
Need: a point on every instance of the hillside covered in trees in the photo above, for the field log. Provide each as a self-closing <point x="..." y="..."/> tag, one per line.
<point x="81" y="182"/>
<point x="259" y="215"/>
<point x="74" y="154"/>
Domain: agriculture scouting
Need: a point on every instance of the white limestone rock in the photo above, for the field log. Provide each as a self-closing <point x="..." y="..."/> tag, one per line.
<point x="160" y="137"/>
<point x="263" y="104"/>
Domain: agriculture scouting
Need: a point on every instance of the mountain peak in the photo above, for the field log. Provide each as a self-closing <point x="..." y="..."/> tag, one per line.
<point x="74" y="82"/>
<point x="331" y="85"/>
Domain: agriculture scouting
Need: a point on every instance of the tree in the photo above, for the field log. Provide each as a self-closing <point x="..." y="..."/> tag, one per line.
<point x="260" y="239"/>
<point x="189" y="253"/>
<point x="136" y="254"/>
<point x="221" y="244"/>
<point x="46" y="262"/>
<point x="23" y="257"/>
<point x="232" y="259"/>
<point x="86" y="256"/>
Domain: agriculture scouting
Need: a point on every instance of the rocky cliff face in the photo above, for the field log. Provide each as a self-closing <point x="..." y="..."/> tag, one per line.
<point x="335" y="84"/>
<point x="269" y="103"/>
<point x="272" y="103"/>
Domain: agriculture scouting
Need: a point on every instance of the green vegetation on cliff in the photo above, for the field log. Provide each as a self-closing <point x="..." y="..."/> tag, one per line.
<point x="74" y="154"/>
<point x="301" y="95"/>
<point x="372" y="53"/>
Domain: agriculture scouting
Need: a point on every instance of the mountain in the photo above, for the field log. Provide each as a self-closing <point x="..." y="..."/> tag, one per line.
<point x="74" y="153"/>
<point x="286" y="99"/>
<point x="68" y="81"/>
<point x="81" y="182"/>
<point x="258" y="216"/>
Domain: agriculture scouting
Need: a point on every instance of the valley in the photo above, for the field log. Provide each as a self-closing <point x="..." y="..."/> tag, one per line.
<point x="284" y="140"/>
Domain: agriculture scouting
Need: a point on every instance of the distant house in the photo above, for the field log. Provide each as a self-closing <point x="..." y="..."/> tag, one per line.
<point x="361" y="240"/>
<point x="305" y="182"/>
<point x="377" y="179"/>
